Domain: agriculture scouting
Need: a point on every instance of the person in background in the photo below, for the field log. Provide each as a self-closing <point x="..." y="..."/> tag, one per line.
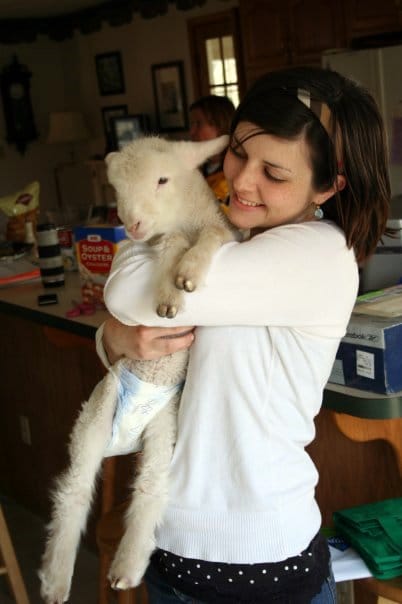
<point x="210" y="117"/>
<point x="307" y="172"/>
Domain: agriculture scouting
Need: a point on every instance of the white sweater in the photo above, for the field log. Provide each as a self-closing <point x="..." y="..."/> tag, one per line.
<point x="273" y="310"/>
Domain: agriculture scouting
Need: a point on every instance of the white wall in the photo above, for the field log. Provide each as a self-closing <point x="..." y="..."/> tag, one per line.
<point x="48" y="92"/>
<point x="64" y="77"/>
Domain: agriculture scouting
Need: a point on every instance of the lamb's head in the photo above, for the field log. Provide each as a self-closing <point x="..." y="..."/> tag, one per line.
<point x="153" y="179"/>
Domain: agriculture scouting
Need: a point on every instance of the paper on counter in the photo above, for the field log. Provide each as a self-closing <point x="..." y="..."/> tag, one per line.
<point x="383" y="303"/>
<point x="347" y="565"/>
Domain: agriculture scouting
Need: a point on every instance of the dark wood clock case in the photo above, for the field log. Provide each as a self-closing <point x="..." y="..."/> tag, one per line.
<point x="17" y="106"/>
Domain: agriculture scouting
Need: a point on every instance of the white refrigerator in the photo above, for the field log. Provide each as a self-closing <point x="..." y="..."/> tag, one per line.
<point x="379" y="70"/>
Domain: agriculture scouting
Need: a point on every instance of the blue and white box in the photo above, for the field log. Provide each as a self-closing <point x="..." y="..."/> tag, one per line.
<point x="369" y="357"/>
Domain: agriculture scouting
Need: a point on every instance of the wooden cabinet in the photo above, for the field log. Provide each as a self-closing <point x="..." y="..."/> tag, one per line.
<point x="46" y="374"/>
<point x="314" y="26"/>
<point x="353" y="471"/>
<point x="48" y="370"/>
<point x="372" y="17"/>
<point x="278" y="33"/>
<point x="264" y="31"/>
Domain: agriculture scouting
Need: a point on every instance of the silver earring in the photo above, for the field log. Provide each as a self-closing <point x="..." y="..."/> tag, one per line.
<point x="318" y="213"/>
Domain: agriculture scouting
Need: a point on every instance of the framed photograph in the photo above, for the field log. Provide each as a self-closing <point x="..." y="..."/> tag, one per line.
<point x="170" y="96"/>
<point x="108" y="114"/>
<point x="128" y="128"/>
<point x="109" y="69"/>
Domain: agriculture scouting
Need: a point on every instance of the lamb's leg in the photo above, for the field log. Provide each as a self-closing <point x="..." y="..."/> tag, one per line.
<point x="148" y="502"/>
<point x="169" y="299"/>
<point x="74" y="490"/>
<point x="194" y="264"/>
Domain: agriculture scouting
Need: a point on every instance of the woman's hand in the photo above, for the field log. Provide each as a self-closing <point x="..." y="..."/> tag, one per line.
<point x="143" y="343"/>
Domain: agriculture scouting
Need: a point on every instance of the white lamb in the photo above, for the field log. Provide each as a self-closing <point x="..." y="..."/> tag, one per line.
<point x="162" y="199"/>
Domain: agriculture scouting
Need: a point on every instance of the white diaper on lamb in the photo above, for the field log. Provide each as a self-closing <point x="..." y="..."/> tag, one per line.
<point x="163" y="200"/>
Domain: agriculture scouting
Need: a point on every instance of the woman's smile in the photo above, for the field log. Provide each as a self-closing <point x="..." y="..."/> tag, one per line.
<point x="245" y="204"/>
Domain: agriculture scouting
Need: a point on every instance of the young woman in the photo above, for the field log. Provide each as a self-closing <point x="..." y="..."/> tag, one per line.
<point x="307" y="173"/>
<point x="210" y="117"/>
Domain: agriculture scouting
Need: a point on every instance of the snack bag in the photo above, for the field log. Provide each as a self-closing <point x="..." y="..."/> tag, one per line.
<point x="21" y="207"/>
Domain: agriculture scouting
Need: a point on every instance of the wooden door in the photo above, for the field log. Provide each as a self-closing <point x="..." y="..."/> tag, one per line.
<point x="200" y="31"/>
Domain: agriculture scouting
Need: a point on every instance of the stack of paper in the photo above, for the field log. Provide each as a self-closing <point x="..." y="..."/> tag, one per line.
<point x="22" y="270"/>
<point x="383" y="303"/>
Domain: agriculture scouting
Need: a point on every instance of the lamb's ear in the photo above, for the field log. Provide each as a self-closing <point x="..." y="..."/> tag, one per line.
<point x="194" y="154"/>
<point x="109" y="157"/>
<point x="111" y="165"/>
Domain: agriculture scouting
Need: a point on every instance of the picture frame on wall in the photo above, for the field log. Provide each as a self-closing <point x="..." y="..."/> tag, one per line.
<point x="109" y="71"/>
<point x="128" y="128"/>
<point x="108" y="114"/>
<point x="170" y="96"/>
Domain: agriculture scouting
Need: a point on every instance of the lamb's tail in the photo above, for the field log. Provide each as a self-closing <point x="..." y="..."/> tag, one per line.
<point x="74" y="490"/>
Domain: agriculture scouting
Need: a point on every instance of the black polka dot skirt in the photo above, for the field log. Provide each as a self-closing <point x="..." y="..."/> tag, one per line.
<point x="294" y="581"/>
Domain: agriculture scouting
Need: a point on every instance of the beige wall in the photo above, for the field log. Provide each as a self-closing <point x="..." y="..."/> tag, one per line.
<point x="64" y="78"/>
<point x="44" y="60"/>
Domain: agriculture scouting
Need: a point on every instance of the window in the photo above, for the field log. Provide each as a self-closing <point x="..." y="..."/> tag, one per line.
<point x="222" y="69"/>
<point x="216" y="62"/>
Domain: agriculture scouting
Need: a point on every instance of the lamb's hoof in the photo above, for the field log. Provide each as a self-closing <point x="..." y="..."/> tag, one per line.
<point x="54" y="596"/>
<point x="125" y="580"/>
<point x="53" y="589"/>
<point x="166" y="310"/>
<point x="120" y="584"/>
<point x="179" y="282"/>
<point x="183" y="283"/>
<point x="189" y="286"/>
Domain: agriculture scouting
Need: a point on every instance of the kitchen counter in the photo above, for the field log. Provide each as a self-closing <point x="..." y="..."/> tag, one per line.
<point x="22" y="300"/>
<point x="50" y="367"/>
<point x="361" y="403"/>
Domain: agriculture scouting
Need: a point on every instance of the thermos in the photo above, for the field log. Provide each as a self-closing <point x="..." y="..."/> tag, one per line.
<point x="50" y="258"/>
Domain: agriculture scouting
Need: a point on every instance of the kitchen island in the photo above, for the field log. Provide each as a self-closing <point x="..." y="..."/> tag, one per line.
<point x="50" y="366"/>
<point x="22" y="300"/>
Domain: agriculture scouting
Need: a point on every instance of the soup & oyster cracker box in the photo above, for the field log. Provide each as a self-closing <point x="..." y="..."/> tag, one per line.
<point x="96" y="246"/>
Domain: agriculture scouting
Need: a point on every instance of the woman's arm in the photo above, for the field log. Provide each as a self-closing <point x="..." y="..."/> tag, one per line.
<point x="296" y="275"/>
<point x="115" y="340"/>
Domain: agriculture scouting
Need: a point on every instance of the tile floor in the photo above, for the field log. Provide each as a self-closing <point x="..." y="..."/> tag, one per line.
<point x="27" y="534"/>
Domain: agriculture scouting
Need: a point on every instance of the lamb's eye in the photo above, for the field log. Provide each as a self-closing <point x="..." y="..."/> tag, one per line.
<point x="163" y="180"/>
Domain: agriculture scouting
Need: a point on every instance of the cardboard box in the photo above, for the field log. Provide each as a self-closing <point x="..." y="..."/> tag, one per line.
<point x="370" y="355"/>
<point x="96" y="247"/>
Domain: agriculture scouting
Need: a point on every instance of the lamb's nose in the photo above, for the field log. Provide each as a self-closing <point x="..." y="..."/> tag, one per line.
<point x="134" y="227"/>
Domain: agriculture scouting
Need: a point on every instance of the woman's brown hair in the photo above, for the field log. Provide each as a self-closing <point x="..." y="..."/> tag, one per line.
<point x="353" y="144"/>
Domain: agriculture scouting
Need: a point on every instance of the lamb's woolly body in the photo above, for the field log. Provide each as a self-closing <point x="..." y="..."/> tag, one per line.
<point x="183" y="218"/>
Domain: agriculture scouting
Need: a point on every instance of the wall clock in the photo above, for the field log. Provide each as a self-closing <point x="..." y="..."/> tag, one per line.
<point x="17" y="106"/>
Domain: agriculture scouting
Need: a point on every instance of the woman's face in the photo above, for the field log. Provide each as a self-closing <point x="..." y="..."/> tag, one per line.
<point x="200" y="128"/>
<point x="270" y="180"/>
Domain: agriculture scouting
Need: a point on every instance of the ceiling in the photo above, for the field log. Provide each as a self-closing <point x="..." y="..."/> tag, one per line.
<point x="24" y="20"/>
<point x="23" y="9"/>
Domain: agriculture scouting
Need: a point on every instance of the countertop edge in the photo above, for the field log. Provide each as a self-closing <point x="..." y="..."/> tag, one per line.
<point x="80" y="329"/>
<point x="359" y="403"/>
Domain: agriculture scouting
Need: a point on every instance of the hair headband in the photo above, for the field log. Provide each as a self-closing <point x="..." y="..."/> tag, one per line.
<point x="319" y="108"/>
<point x="323" y="114"/>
